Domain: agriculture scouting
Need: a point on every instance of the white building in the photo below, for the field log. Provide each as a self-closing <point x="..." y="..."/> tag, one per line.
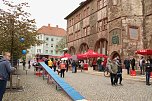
<point x="51" y="36"/>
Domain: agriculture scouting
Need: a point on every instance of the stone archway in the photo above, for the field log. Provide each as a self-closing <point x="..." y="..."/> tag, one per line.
<point x="115" y="54"/>
<point x="72" y="50"/>
<point x="101" y="46"/>
<point x="83" y="48"/>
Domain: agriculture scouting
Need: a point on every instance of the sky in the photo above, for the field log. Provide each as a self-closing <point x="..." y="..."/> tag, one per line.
<point x="50" y="12"/>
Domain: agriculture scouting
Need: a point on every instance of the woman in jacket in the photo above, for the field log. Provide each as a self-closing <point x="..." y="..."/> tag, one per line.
<point x="62" y="67"/>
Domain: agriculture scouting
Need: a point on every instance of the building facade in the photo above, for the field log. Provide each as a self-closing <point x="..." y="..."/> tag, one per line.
<point x="111" y="27"/>
<point x="51" y="36"/>
<point x="148" y="23"/>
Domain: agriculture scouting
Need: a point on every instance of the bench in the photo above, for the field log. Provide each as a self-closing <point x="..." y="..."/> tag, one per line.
<point x="70" y="91"/>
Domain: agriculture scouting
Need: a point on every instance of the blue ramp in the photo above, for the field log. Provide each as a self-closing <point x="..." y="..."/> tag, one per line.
<point x="71" y="92"/>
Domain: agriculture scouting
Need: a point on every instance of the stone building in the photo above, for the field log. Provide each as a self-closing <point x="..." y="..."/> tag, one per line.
<point x="148" y="23"/>
<point x="111" y="27"/>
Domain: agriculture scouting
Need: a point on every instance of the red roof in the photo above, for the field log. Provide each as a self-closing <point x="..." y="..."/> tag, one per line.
<point x="52" y="31"/>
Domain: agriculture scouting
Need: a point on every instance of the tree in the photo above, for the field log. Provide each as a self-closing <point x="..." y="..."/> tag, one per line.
<point x="61" y="44"/>
<point x="15" y="24"/>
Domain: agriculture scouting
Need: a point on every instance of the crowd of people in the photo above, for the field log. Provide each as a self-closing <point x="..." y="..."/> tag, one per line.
<point x="114" y="67"/>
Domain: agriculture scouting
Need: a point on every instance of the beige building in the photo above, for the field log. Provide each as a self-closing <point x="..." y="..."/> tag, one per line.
<point x="111" y="27"/>
<point x="148" y="23"/>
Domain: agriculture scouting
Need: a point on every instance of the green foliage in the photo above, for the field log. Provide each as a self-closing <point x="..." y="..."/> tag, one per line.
<point x="61" y="44"/>
<point x="14" y="24"/>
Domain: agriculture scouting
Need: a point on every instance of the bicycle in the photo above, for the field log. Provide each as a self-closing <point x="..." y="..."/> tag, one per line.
<point x="106" y="72"/>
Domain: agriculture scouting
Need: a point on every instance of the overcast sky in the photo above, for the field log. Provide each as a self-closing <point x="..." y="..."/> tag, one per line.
<point x="50" y="11"/>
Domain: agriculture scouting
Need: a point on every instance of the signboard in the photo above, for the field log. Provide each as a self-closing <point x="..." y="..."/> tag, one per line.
<point x="115" y="39"/>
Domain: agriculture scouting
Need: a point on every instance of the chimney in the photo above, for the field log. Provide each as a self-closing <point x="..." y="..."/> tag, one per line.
<point x="49" y="25"/>
<point x="57" y="26"/>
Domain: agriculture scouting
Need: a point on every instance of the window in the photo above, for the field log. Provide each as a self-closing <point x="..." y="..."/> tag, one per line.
<point x="51" y="51"/>
<point x="41" y="37"/>
<point x="46" y="45"/>
<point x="104" y="3"/>
<point x="84" y="13"/>
<point x="87" y="11"/>
<point x="51" y="45"/>
<point x="115" y="2"/>
<point x="56" y="52"/>
<point x="99" y="26"/>
<point x="56" y="46"/>
<point x="46" y="51"/>
<point x="86" y="31"/>
<point x="52" y="39"/>
<point x="134" y="32"/>
<point x="101" y="3"/>
<point x="38" y="50"/>
<point x="47" y="39"/>
<point x="105" y="24"/>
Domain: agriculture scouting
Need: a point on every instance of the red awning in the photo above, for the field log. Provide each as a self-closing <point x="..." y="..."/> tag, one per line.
<point x="90" y="54"/>
<point x="66" y="56"/>
<point x="144" y="52"/>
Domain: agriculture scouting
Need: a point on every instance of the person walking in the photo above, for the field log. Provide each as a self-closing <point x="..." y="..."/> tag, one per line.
<point x="62" y="67"/>
<point x="29" y="64"/>
<point x="24" y="63"/>
<point x="127" y="65"/>
<point x="54" y="65"/>
<point x="99" y="61"/>
<point x="148" y="70"/>
<point x="119" y="72"/>
<point x="5" y="70"/>
<point x="67" y="65"/>
<point x="94" y="63"/>
<point x="82" y="65"/>
<point x="74" y="66"/>
<point x="142" y="65"/>
<point x="133" y="63"/>
<point x="113" y="68"/>
<point x="50" y="63"/>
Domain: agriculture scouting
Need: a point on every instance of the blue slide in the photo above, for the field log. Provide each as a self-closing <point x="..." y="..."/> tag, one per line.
<point x="71" y="92"/>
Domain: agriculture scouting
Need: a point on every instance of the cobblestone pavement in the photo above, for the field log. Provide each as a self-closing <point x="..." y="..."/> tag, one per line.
<point x="98" y="88"/>
<point x="35" y="89"/>
<point x="92" y="87"/>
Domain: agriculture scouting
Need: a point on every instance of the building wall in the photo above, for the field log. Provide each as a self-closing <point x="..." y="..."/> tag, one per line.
<point x="124" y="17"/>
<point x="148" y="25"/>
<point x="46" y="46"/>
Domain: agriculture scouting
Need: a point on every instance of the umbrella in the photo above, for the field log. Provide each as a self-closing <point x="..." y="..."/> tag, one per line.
<point x="66" y="55"/>
<point x="144" y="52"/>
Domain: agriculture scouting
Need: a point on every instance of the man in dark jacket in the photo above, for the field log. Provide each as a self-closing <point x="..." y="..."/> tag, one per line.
<point x="148" y="70"/>
<point x="127" y="65"/>
<point x="5" y="70"/>
<point x="133" y="64"/>
<point x="119" y="72"/>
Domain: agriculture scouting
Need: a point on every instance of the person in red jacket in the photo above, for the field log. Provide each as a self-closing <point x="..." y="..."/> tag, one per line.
<point x="62" y="67"/>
